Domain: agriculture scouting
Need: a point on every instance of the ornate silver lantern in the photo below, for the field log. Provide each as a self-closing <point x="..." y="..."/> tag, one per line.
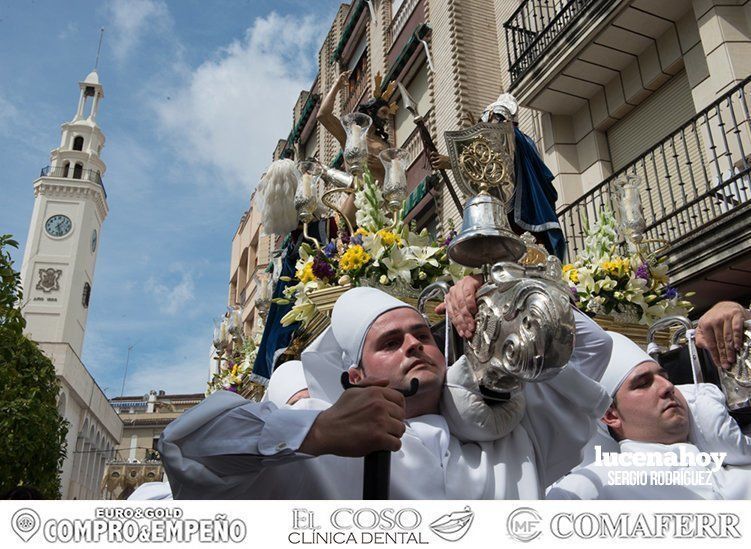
<point x="736" y="380"/>
<point x="482" y="161"/>
<point x="525" y="324"/>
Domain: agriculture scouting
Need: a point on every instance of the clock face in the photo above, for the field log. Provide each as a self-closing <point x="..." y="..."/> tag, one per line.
<point x="93" y="241"/>
<point x="58" y="225"/>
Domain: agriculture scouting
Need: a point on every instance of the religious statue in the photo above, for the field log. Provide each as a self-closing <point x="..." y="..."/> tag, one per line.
<point x="532" y="207"/>
<point x="377" y="107"/>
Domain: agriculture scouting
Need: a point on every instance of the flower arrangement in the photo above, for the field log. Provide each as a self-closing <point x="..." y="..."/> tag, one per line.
<point x="236" y="355"/>
<point x="633" y="288"/>
<point x="380" y="253"/>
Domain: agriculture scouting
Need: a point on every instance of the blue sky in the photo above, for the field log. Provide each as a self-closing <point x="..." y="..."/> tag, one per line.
<point x="197" y="93"/>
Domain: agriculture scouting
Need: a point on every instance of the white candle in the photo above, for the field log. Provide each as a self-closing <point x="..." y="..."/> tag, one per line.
<point x="356" y="135"/>
<point x="400" y="175"/>
<point x="306" y="185"/>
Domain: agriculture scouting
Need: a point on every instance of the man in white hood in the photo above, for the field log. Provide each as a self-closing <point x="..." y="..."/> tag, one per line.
<point x="227" y="447"/>
<point x="659" y="441"/>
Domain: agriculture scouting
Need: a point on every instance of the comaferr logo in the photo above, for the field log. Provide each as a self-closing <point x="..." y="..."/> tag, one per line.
<point x="523" y="524"/>
<point x="640" y="525"/>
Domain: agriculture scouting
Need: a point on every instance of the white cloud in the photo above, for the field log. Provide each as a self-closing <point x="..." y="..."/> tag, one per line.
<point x="172" y="298"/>
<point x="71" y="29"/>
<point x="232" y="109"/>
<point x="182" y="369"/>
<point x="8" y="114"/>
<point x="131" y="19"/>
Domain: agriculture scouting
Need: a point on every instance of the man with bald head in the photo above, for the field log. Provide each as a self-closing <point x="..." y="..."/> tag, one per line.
<point x="228" y="447"/>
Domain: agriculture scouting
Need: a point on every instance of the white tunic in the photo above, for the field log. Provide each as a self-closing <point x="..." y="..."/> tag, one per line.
<point x="229" y="448"/>
<point x="152" y="490"/>
<point x="711" y="430"/>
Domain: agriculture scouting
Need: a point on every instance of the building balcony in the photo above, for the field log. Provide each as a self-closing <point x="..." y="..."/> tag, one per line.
<point x="695" y="189"/>
<point x="410" y="14"/>
<point x="562" y="53"/>
<point x="68" y="172"/>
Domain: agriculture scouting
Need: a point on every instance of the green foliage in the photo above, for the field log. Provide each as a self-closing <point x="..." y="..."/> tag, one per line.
<point x="32" y="431"/>
<point x="10" y="288"/>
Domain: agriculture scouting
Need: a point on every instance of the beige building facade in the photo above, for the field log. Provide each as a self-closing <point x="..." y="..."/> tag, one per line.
<point x="607" y="88"/>
<point x="144" y="418"/>
<point x="447" y="55"/>
<point x="251" y="254"/>
<point x="656" y="90"/>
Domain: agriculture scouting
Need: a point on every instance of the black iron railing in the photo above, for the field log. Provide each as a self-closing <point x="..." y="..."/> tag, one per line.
<point x="694" y="176"/>
<point x="71" y="172"/>
<point x="534" y="26"/>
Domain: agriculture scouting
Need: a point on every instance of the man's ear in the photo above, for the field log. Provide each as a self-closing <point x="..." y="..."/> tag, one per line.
<point x="355" y="375"/>
<point x="612" y="418"/>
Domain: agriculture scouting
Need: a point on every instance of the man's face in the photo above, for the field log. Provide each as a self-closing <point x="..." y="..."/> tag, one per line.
<point x="399" y="347"/>
<point x="648" y="408"/>
<point x="383" y="112"/>
<point x="298" y="396"/>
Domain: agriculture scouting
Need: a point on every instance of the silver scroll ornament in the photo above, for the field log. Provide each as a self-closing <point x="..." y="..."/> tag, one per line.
<point x="525" y="326"/>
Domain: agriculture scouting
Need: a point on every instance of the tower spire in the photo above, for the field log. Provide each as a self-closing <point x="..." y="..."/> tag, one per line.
<point x="99" y="48"/>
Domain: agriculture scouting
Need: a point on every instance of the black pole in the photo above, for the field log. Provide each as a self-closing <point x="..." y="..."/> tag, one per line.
<point x="376" y="478"/>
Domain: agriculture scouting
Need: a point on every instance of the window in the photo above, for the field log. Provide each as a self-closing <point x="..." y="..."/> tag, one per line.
<point x="86" y="295"/>
<point x="417" y="87"/>
<point x="78" y="143"/>
<point x="66" y="169"/>
<point x="77" y="171"/>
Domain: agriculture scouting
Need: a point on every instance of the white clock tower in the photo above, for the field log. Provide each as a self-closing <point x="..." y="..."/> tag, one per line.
<point x="70" y="205"/>
<point x="69" y="209"/>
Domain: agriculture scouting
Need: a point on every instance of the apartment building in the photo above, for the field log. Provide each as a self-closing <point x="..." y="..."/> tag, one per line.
<point x="658" y="90"/>
<point x="607" y="88"/>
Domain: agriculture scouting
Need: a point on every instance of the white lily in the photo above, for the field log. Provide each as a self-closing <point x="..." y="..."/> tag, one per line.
<point x="373" y="244"/>
<point x="423" y="254"/>
<point x="415" y="239"/>
<point x="399" y="265"/>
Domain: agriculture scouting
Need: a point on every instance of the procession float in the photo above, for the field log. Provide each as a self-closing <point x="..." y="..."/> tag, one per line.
<point x="346" y="228"/>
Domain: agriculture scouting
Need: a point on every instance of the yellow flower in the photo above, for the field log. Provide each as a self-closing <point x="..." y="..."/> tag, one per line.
<point x="570" y="272"/>
<point x="617" y="266"/>
<point x="388" y="238"/>
<point x="361" y="231"/>
<point x="354" y="258"/>
<point x="306" y="273"/>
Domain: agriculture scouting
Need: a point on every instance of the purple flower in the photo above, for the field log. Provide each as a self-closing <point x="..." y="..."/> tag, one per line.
<point x="321" y="268"/>
<point x="345" y="238"/>
<point x="356" y="240"/>
<point x="670" y="293"/>
<point x="643" y="271"/>
<point x="330" y="249"/>
<point x="231" y="389"/>
<point x="449" y="238"/>
<point x="574" y="293"/>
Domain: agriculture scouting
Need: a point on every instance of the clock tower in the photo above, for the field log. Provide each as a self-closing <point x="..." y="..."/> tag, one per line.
<point x="69" y="208"/>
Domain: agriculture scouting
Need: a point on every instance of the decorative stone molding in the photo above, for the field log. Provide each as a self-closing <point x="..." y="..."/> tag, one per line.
<point x="73" y="188"/>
